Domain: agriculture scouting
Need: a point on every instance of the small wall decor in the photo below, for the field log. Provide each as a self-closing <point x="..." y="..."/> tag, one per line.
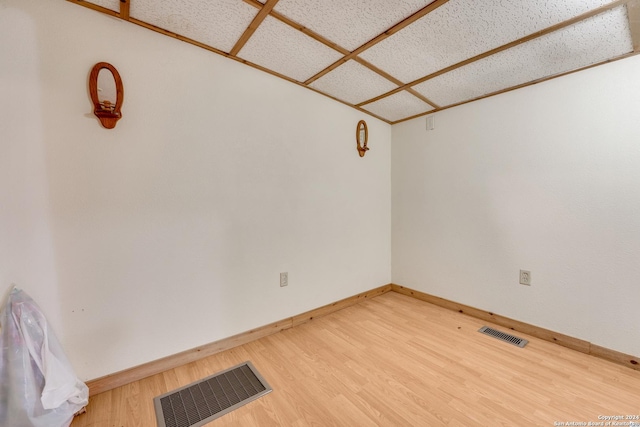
<point x="362" y="136"/>
<point x="107" y="103"/>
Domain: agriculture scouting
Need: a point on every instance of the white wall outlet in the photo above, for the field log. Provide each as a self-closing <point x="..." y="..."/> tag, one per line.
<point x="525" y="277"/>
<point x="284" y="279"/>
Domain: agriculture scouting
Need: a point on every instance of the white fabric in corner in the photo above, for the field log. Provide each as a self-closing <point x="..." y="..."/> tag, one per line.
<point x="38" y="386"/>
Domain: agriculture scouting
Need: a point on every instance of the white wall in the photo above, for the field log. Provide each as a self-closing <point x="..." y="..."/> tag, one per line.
<point x="170" y="231"/>
<point x="547" y="179"/>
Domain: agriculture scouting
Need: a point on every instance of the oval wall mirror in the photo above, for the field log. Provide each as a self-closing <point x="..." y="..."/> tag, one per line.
<point x="106" y="87"/>
<point x="107" y="92"/>
<point x="362" y="137"/>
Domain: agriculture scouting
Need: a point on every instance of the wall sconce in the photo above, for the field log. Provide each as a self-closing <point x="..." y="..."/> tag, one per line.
<point x="362" y="136"/>
<point x="107" y="105"/>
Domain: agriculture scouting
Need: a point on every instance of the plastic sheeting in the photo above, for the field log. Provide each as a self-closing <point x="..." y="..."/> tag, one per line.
<point x="38" y="387"/>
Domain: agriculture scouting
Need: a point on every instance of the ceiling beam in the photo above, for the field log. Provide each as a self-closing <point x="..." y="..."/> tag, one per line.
<point x="422" y="97"/>
<point x="125" y="5"/>
<point x="633" y="10"/>
<point x="293" y="24"/>
<point x="394" y="80"/>
<point x="400" y="25"/>
<point x="257" y="20"/>
<point x="514" y="43"/>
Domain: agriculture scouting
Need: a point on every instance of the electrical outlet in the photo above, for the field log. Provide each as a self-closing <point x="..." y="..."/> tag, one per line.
<point x="284" y="279"/>
<point x="525" y="277"/>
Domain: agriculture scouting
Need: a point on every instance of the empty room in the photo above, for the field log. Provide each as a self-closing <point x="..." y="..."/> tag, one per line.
<point x="329" y="199"/>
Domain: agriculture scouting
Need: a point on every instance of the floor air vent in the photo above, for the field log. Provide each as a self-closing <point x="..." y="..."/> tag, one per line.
<point x="203" y="401"/>
<point x="503" y="337"/>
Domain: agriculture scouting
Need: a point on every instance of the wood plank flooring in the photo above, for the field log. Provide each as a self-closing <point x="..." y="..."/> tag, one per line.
<point x="396" y="361"/>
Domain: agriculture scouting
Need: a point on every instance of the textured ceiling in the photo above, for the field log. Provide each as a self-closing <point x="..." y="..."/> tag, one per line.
<point x="217" y="23"/>
<point x="345" y="83"/>
<point x="398" y="59"/>
<point x="285" y="50"/>
<point x="349" y="23"/>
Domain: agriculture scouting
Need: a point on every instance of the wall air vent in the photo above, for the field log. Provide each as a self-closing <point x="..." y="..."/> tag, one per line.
<point x="503" y="337"/>
<point x="201" y="402"/>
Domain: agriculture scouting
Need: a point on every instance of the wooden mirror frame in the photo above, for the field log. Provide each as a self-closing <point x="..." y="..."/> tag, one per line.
<point x="107" y="112"/>
<point x="362" y="146"/>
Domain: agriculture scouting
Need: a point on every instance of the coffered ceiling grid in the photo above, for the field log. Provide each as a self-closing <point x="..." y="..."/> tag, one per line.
<point x="541" y="33"/>
<point x="398" y="106"/>
<point x="283" y="49"/>
<point x="255" y="23"/>
<point x="588" y="42"/>
<point x="345" y="83"/>
<point x="392" y="30"/>
<point x="399" y="58"/>
<point x="350" y="24"/>
<point x="465" y="28"/>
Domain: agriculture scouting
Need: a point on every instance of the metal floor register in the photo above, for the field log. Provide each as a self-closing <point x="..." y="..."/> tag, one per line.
<point x="205" y="400"/>
<point x="511" y="339"/>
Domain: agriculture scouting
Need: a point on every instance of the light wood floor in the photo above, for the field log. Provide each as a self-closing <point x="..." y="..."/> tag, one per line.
<point x="396" y="361"/>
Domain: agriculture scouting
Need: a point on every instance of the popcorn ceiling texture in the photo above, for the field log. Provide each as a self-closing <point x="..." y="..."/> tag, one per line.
<point x="346" y="83"/>
<point x="217" y="23"/>
<point x="461" y="29"/>
<point x="350" y="24"/>
<point x="287" y="51"/>
<point x="588" y="42"/>
<point x="109" y="4"/>
<point x="398" y="106"/>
